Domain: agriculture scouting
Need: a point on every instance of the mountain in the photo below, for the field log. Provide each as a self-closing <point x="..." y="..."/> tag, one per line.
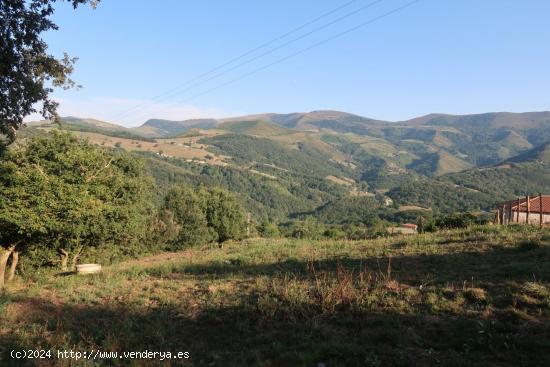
<point x="89" y="123"/>
<point x="538" y="154"/>
<point x="161" y="128"/>
<point x="496" y="120"/>
<point x="92" y="122"/>
<point x="439" y="163"/>
<point x="253" y="127"/>
<point x="433" y="144"/>
<point x="313" y="121"/>
<point x="299" y="164"/>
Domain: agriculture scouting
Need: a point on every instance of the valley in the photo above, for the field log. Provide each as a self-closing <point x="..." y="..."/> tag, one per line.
<point x="342" y="155"/>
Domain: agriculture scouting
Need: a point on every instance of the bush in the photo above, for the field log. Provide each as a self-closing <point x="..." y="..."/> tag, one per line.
<point x="459" y="220"/>
<point x="334" y="233"/>
<point x="268" y="229"/>
<point x="308" y="229"/>
<point x="224" y="214"/>
<point x="204" y="216"/>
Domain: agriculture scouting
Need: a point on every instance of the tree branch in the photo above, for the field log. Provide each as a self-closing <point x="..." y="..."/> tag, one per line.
<point x="99" y="171"/>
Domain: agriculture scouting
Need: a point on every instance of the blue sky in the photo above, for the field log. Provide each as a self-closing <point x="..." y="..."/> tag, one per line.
<point x="450" y="56"/>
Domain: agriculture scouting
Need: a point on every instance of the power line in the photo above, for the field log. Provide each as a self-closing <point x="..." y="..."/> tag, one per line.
<point x="249" y="52"/>
<point x="270" y="51"/>
<point x="297" y="53"/>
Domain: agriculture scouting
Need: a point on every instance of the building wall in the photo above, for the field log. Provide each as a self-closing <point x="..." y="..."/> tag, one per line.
<point x="402" y="230"/>
<point x="533" y="217"/>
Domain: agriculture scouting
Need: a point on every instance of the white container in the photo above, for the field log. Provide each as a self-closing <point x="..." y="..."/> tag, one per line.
<point x="88" y="269"/>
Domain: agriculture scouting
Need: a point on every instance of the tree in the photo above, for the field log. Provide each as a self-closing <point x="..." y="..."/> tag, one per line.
<point x="27" y="71"/>
<point x="224" y="214"/>
<point x="165" y="229"/>
<point x="26" y="208"/>
<point x="205" y="215"/>
<point x="189" y="212"/>
<point x="65" y="195"/>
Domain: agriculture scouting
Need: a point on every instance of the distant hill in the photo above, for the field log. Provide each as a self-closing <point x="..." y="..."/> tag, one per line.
<point x="314" y="120"/>
<point x="160" y="128"/>
<point x="525" y="120"/>
<point x="92" y="122"/>
<point x="537" y="154"/>
<point x="293" y="164"/>
<point x="257" y="128"/>
<point x="89" y="125"/>
<point x="439" y="163"/>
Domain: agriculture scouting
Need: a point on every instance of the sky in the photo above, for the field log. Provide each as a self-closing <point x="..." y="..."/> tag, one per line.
<point x="141" y="59"/>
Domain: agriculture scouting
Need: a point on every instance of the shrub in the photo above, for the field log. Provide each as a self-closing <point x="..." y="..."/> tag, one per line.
<point x="459" y="220"/>
<point x="334" y="233"/>
<point x="268" y="229"/>
<point x="204" y="216"/>
<point x="529" y="244"/>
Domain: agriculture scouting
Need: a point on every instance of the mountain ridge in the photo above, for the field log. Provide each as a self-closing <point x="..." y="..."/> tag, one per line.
<point x="296" y="163"/>
<point x="433" y="145"/>
<point x="500" y="119"/>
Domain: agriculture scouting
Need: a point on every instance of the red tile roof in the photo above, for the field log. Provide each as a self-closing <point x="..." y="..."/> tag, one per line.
<point x="534" y="204"/>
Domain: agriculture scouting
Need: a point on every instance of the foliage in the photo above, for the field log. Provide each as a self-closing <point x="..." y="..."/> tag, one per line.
<point x="306" y="159"/>
<point x="268" y="229"/>
<point x="439" y="195"/>
<point x="107" y="132"/>
<point x="306" y="229"/>
<point x="27" y="202"/>
<point x="224" y="214"/>
<point x="61" y="193"/>
<point x="204" y="216"/>
<point x="189" y="211"/>
<point x="334" y="233"/>
<point x="506" y="182"/>
<point x="459" y="220"/>
<point x="265" y="198"/>
<point x="350" y="210"/>
<point x="27" y="71"/>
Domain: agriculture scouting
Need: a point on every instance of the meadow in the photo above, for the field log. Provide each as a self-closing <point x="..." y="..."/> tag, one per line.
<point x="471" y="297"/>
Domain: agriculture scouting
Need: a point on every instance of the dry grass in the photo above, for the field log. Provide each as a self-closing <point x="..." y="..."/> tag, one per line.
<point x="187" y="148"/>
<point x="477" y="297"/>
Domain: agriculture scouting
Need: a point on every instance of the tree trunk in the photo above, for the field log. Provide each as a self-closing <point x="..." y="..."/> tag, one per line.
<point x="64" y="259"/>
<point x="4" y="256"/>
<point x="13" y="266"/>
<point x="75" y="258"/>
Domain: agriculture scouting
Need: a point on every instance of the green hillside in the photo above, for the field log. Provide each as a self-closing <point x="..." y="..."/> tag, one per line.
<point x="300" y="164"/>
<point x="439" y="163"/>
<point x="537" y="154"/>
<point x="162" y="128"/>
<point x="257" y="128"/>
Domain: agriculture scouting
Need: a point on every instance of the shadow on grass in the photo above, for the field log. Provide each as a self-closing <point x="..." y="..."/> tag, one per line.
<point x="245" y="336"/>
<point x="284" y="332"/>
<point x="497" y="265"/>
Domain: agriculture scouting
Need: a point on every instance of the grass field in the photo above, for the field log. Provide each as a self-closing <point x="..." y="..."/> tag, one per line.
<point x="475" y="297"/>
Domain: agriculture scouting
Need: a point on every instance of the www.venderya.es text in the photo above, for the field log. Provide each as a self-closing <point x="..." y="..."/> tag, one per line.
<point x="95" y="354"/>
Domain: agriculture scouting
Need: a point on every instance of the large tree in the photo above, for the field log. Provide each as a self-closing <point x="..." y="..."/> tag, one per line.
<point x="26" y="209"/>
<point x="64" y="194"/>
<point x="28" y="73"/>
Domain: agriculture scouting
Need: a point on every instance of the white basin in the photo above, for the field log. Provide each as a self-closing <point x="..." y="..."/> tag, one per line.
<point x="88" y="269"/>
